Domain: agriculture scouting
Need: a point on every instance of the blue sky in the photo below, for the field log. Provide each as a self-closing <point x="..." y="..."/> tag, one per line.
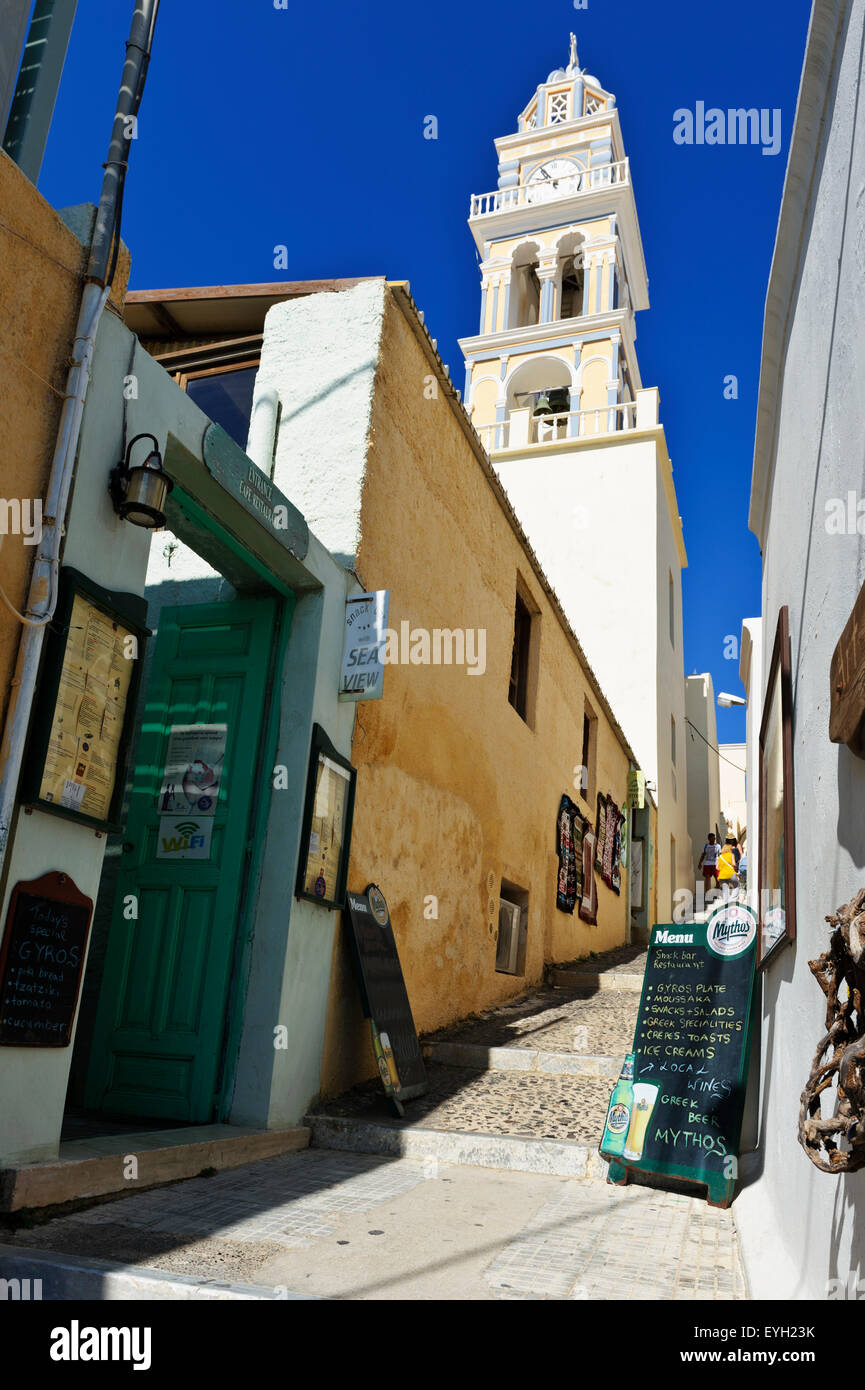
<point x="304" y="127"/>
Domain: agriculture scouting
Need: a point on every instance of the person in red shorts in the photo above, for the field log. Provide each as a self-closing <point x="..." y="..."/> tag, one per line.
<point x="709" y="861"/>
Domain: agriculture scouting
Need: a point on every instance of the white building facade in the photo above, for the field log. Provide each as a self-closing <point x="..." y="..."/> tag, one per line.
<point x="803" y="1229"/>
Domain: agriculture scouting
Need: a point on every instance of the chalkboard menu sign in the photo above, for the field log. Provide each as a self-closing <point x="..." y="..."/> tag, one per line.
<point x="42" y="961"/>
<point x="384" y="996"/>
<point x="691" y="1054"/>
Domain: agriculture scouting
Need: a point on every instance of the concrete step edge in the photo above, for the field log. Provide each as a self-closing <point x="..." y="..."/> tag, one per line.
<point x="523" y="1059"/>
<point x="517" y="1153"/>
<point x="73" y="1179"/>
<point x="67" y="1277"/>
<point x="597" y="979"/>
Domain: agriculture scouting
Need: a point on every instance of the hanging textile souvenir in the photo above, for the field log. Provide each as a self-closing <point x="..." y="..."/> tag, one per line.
<point x="600" y="832"/>
<point x="580" y="826"/>
<point x="610" y="840"/>
<point x="589" y="903"/>
<point x="616" y="870"/>
<point x="566" y="888"/>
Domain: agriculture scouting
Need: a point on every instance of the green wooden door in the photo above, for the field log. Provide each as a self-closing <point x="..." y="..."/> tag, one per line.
<point x="163" y="1003"/>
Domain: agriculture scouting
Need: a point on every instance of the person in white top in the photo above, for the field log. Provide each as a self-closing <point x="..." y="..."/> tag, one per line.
<point x="709" y="861"/>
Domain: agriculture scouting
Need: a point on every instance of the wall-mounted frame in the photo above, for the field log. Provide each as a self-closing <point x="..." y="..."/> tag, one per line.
<point x="325" y="837"/>
<point x="78" y="746"/>
<point x="777" y="848"/>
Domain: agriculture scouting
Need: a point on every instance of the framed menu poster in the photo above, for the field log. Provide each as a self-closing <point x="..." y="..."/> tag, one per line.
<point x="326" y="831"/>
<point x="76" y="763"/>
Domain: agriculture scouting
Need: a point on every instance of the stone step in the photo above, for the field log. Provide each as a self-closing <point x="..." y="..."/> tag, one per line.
<point x="43" y="1274"/>
<point x="597" y="979"/>
<point x="517" y="1153"/>
<point x="523" y="1059"/>
<point x="534" y="1122"/>
<point x="99" y="1167"/>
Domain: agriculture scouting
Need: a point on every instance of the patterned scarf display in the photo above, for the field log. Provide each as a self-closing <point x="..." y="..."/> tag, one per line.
<point x="566" y="890"/>
<point x="610" y="840"/>
<point x="571" y="830"/>
<point x="615" y="870"/>
<point x="589" y="904"/>
<point x="600" y="832"/>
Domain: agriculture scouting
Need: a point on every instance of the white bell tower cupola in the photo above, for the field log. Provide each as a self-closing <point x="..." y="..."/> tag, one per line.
<point x="562" y="267"/>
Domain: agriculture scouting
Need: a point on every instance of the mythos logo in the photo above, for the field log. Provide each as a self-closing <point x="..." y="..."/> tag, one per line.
<point x="731" y="931"/>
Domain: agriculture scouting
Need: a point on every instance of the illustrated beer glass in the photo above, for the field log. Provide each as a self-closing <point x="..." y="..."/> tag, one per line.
<point x="645" y="1096"/>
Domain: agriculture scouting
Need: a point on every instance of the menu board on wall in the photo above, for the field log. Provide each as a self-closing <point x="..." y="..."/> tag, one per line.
<point x="86" y="693"/>
<point x="327" y="817"/>
<point x="89" y="712"/>
<point x="327" y="828"/>
<point x="691" y="1053"/>
<point x="42" y="960"/>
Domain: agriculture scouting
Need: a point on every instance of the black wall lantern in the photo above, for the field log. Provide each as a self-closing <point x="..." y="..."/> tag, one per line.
<point x="139" y="493"/>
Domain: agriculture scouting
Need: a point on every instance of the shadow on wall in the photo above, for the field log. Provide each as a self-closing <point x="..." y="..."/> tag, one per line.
<point x="851" y="799"/>
<point x="848" y="1215"/>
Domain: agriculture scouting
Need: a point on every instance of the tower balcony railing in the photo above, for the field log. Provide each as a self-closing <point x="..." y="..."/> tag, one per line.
<point x="524" y="430"/>
<point x="547" y="191"/>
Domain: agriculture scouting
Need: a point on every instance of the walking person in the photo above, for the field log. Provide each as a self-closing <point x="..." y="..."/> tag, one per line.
<point x="728" y="868"/>
<point x="709" y="861"/>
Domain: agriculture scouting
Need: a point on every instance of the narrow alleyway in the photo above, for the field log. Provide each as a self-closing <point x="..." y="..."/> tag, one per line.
<point x="490" y="1188"/>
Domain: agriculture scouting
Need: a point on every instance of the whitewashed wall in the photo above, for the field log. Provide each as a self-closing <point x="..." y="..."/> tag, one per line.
<point x="801" y="1228"/>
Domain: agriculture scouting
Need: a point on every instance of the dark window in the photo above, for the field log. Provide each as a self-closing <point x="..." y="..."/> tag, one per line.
<point x="573" y="279"/>
<point x="519" y="684"/>
<point x="226" y="397"/>
<point x="513" y="930"/>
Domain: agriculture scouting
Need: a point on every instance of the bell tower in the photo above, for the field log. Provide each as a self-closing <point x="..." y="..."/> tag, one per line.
<point x="562" y="272"/>
<point x="554" y="391"/>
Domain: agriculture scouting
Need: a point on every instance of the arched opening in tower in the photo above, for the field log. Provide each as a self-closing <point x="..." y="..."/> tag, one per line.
<point x="525" y="297"/>
<point x="573" y="287"/>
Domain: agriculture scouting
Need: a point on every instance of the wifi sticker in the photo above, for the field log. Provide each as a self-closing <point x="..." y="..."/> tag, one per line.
<point x="178" y="837"/>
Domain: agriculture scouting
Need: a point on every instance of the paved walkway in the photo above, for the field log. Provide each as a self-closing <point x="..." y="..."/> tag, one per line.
<point x="339" y="1225"/>
<point x="491" y="1102"/>
<point x="342" y="1223"/>
<point x="624" y="959"/>
<point x="490" y="1096"/>
<point x="557" y="1020"/>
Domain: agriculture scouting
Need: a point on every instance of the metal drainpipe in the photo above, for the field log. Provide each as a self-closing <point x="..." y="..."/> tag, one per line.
<point x="104" y="246"/>
<point x="261" y="442"/>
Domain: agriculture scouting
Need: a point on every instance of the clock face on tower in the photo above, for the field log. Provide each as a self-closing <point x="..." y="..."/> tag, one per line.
<point x="556" y="179"/>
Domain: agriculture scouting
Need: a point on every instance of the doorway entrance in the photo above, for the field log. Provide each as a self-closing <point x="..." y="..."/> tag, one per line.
<point x="160" y="1025"/>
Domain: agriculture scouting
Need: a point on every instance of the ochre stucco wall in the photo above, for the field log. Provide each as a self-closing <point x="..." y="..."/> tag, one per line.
<point x="41" y="280"/>
<point x="455" y="791"/>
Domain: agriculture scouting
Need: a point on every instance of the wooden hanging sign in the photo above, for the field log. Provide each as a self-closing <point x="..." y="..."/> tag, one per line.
<point x="847" y="677"/>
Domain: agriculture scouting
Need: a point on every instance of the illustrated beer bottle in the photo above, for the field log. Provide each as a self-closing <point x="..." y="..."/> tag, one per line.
<point x="619" y="1113"/>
